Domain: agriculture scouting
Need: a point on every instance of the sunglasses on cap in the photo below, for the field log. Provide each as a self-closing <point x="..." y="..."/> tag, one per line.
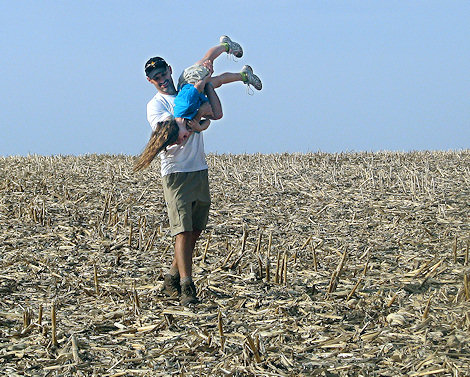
<point x="155" y="66"/>
<point x="155" y="63"/>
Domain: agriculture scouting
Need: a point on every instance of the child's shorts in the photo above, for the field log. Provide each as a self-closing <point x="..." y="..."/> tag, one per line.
<point x="188" y="200"/>
<point x="192" y="75"/>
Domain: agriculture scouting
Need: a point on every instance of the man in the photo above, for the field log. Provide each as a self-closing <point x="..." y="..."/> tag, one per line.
<point x="185" y="181"/>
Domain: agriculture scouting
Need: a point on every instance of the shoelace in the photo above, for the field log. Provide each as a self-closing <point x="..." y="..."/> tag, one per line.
<point x="232" y="57"/>
<point x="249" y="90"/>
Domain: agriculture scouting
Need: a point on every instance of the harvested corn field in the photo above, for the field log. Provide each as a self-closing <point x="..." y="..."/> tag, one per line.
<point x="351" y="264"/>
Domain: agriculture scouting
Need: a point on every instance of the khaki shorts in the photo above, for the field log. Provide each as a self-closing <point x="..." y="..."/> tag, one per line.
<point x="188" y="200"/>
<point x="192" y="75"/>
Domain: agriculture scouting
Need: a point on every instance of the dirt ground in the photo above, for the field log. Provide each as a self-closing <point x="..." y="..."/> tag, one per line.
<point x="350" y="264"/>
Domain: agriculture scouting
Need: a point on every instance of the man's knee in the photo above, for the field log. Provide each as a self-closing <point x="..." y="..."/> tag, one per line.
<point x="194" y="234"/>
<point x="184" y="234"/>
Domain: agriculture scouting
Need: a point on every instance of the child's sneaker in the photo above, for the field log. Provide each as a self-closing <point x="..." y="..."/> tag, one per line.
<point x="188" y="294"/>
<point x="250" y="78"/>
<point x="233" y="47"/>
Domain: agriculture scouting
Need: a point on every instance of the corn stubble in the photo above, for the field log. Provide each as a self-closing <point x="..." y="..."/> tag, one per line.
<point x="313" y="264"/>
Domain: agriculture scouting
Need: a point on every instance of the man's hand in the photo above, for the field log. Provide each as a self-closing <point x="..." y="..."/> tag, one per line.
<point x="198" y="127"/>
<point x="200" y="85"/>
<point x="208" y="64"/>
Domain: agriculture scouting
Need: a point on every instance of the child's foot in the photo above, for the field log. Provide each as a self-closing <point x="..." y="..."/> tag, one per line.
<point x="232" y="47"/>
<point x="249" y="78"/>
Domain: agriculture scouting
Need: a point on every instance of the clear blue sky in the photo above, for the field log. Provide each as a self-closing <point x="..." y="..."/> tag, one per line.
<point x="338" y="75"/>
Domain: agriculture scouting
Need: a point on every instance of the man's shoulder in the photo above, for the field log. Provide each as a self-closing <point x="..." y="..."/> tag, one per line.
<point x="160" y="108"/>
<point x="162" y="98"/>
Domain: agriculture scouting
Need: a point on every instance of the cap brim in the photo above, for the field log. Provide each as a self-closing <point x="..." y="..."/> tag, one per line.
<point x="155" y="72"/>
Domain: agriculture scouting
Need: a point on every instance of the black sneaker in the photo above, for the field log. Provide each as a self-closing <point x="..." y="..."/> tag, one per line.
<point x="188" y="294"/>
<point x="171" y="285"/>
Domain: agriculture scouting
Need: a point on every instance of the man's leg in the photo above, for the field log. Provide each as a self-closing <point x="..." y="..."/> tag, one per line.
<point x="184" y="247"/>
<point x="185" y="214"/>
<point x="196" y="234"/>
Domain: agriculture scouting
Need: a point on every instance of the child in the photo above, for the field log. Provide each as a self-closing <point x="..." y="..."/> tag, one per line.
<point x="191" y="104"/>
<point x="190" y="99"/>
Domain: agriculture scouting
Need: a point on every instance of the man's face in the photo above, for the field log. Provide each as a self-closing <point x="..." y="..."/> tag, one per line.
<point x="163" y="82"/>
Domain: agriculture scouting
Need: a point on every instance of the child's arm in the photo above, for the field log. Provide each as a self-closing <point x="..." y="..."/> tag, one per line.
<point x="200" y="85"/>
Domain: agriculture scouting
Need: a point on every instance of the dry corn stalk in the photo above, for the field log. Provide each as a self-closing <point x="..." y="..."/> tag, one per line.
<point x="95" y="279"/>
<point x="466" y="284"/>
<point x="76" y="356"/>
<point x="268" y="257"/>
<point x="354" y="199"/>
<point x="253" y="348"/>
<point x="426" y="309"/>
<point x="40" y="315"/>
<point x="392" y="300"/>
<point x="54" y="324"/>
<point x="221" y="331"/>
<point x="336" y="274"/>
<point x="206" y="247"/>
<point x="454" y="249"/>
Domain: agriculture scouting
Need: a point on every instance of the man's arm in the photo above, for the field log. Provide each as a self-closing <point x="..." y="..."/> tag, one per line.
<point x="199" y="126"/>
<point x="205" y="111"/>
<point x="208" y="110"/>
<point x="214" y="101"/>
<point x="201" y="84"/>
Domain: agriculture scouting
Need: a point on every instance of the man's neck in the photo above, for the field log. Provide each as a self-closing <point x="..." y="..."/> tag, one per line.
<point x="168" y="94"/>
<point x="171" y="92"/>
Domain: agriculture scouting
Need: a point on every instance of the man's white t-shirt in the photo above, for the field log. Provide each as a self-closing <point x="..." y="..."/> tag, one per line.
<point x="185" y="157"/>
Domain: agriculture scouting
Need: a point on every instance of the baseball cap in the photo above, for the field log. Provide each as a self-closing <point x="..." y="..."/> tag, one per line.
<point x="155" y="66"/>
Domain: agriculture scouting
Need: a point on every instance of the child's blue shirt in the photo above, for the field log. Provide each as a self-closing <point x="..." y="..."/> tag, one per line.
<point x="188" y="101"/>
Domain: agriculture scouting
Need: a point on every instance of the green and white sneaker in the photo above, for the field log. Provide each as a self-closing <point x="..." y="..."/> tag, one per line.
<point x="233" y="47"/>
<point x="249" y="78"/>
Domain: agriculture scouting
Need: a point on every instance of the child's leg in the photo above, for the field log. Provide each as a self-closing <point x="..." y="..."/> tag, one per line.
<point x="246" y="76"/>
<point x="225" y="78"/>
<point x="226" y="45"/>
<point x="212" y="54"/>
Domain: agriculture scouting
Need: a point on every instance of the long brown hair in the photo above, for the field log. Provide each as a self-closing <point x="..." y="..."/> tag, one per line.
<point x="164" y="135"/>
